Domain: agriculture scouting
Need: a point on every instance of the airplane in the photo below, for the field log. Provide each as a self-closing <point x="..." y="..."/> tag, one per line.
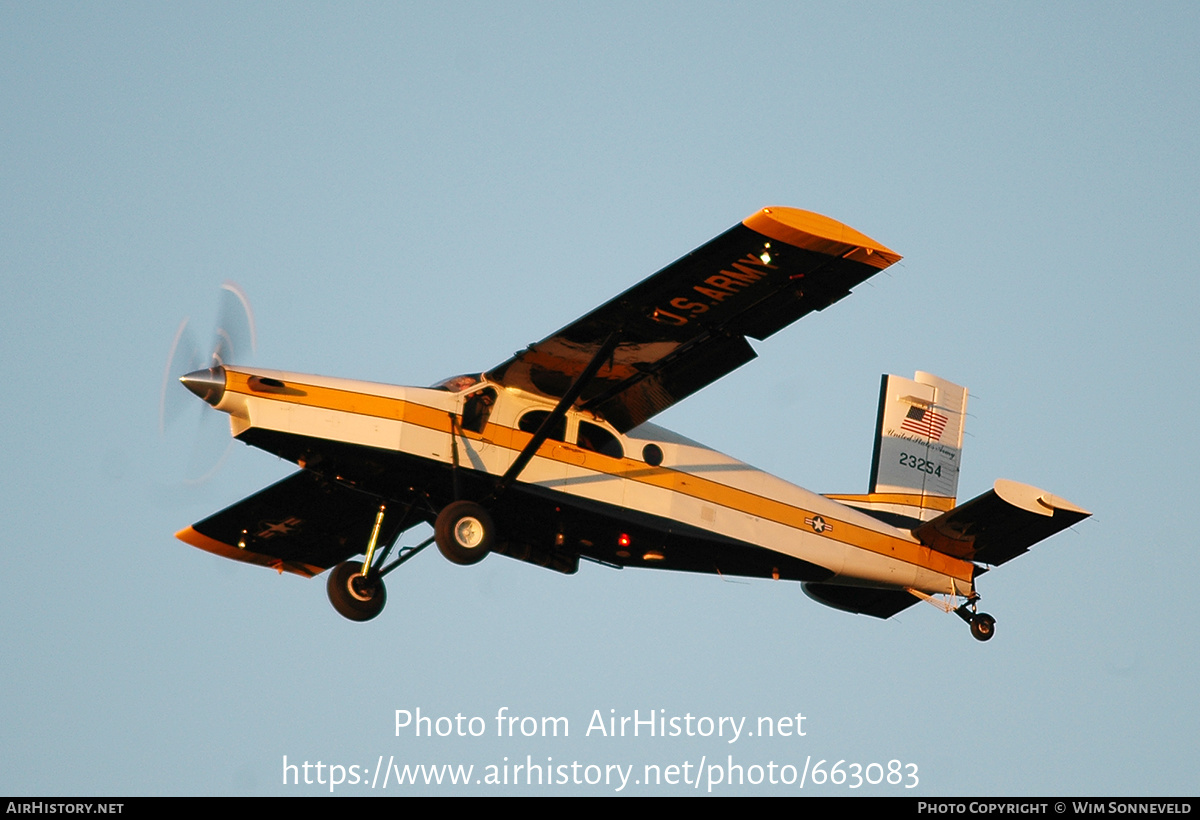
<point x="551" y="458"/>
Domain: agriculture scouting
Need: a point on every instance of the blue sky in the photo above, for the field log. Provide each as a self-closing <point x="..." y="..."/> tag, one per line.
<point x="409" y="191"/>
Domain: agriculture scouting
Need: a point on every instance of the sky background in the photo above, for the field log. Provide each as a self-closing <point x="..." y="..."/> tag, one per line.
<point x="410" y="191"/>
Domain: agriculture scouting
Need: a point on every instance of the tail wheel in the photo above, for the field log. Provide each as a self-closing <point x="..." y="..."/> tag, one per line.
<point x="983" y="627"/>
<point x="352" y="595"/>
<point x="464" y="532"/>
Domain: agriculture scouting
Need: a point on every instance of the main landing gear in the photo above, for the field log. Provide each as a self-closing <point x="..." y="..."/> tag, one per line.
<point x="464" y="533"/>
<point x="464" y="530"/>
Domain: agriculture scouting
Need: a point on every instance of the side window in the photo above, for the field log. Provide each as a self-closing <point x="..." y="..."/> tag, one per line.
<point x="531" y="421"/>
<point x="595" y="438"/>
<point x="477" y="408"/>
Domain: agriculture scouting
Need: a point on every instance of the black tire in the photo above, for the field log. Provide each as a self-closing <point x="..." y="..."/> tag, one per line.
<point x="464" y="532"/>
<point x="355" y="597"/>
<point x="983" y="627"/>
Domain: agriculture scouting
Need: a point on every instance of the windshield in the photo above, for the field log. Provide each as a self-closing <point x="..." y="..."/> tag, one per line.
<point x="457" y="384"/>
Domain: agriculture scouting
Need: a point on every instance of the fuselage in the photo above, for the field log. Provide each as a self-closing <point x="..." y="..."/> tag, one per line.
<point x="480" y="427"/>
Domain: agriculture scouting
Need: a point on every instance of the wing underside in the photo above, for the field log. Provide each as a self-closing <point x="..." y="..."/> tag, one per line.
<point x="688" y="324"/>
<point x="302" y="524"/>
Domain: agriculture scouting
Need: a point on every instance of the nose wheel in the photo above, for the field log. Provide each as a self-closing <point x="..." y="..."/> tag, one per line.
<point x="354" y="596"/>
<point x="355" y="588"/>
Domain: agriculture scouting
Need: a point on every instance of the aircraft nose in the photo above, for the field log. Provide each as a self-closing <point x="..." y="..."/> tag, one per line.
<point x="207" y="384"/>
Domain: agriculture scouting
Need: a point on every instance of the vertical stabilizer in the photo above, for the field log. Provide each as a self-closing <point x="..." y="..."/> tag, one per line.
<point x="918" y="449"/>
<point x="918" y="438"/>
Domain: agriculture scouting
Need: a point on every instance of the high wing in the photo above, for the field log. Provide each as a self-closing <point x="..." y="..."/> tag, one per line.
<point x="687" y="325"/>
<point x="302" y="524"/>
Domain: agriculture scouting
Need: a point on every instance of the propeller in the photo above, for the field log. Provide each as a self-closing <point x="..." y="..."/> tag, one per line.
<point x="233" y="341"/>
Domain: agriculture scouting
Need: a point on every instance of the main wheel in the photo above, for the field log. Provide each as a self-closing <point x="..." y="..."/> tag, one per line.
<point x="464" y="532"/>
<point x="983" y="627"/>
<point x="352" y="595"/>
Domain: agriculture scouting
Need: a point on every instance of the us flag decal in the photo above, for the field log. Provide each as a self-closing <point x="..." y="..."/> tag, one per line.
<point x="924" y="423"/>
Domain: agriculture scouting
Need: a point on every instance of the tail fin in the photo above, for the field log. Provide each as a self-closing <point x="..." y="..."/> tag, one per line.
<point x="918" y="447"/>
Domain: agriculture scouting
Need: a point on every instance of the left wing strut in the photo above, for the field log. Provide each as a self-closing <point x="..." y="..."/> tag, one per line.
<point x="560" y="410"/>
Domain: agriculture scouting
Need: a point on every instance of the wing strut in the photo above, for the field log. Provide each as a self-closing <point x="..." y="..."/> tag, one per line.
<point x="455" y="432"/>
<point x="560" y="410"/>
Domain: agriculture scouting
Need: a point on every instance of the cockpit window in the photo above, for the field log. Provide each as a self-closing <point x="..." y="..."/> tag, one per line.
<point x="595" y="438"/>
<point x="531" y="421"/>
<point x="457" y="384"/>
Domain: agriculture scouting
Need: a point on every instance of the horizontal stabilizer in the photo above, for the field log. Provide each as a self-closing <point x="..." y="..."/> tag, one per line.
<point x="302" y="524"/>
<point x="1000" y="524"/>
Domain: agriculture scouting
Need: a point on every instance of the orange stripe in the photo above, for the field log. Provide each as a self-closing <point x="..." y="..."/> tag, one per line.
<point x="328" y="398"/>
<point x="927" y="502"/>
<point x="508" y="438"/>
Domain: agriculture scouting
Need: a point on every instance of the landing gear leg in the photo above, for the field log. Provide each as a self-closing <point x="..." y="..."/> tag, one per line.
<point x="356" y="588"/>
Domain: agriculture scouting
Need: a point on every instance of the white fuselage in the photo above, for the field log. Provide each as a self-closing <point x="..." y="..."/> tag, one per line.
<point x="692" y="484"/>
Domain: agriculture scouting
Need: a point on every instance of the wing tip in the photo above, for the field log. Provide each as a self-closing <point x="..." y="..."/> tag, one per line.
<point x="195" y="538"/>
<point x="817" y="232"/>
